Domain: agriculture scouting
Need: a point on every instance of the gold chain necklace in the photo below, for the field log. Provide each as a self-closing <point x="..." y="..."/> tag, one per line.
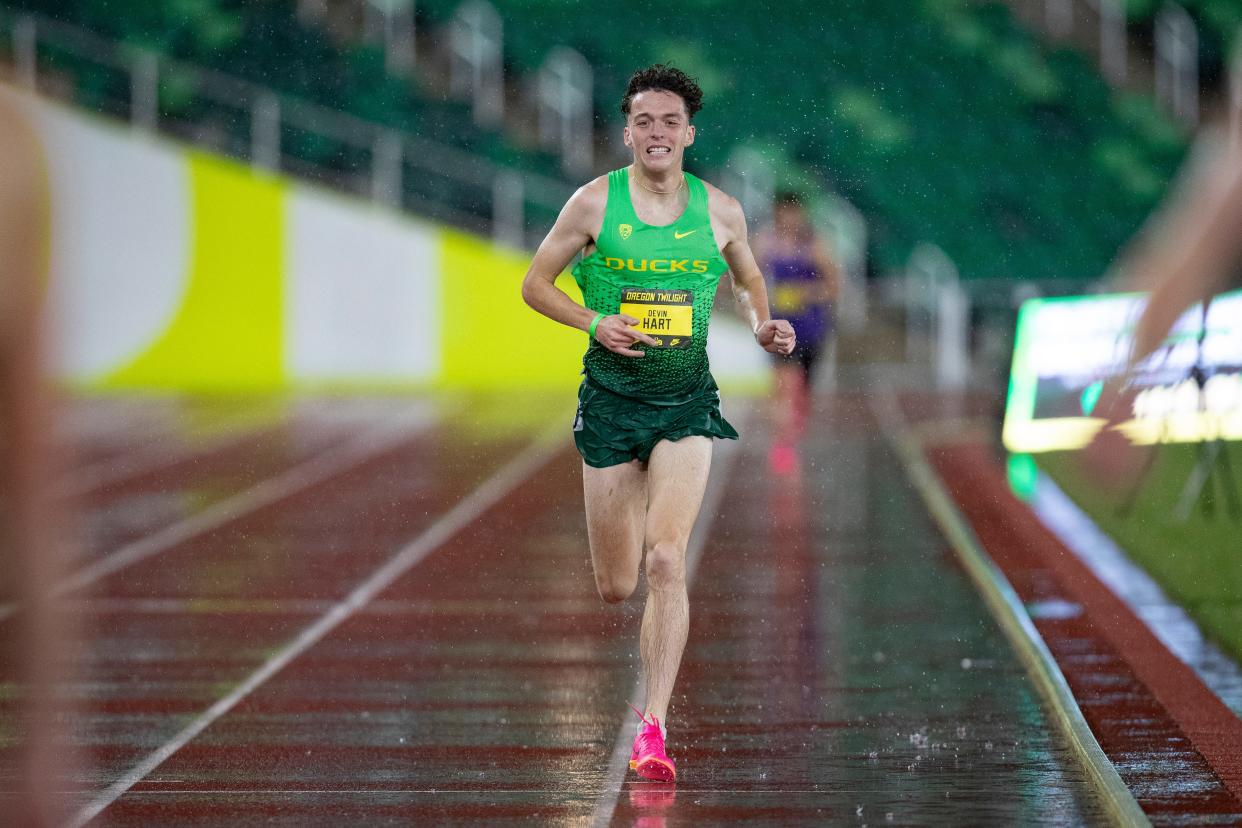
<point x="662" y="192"/>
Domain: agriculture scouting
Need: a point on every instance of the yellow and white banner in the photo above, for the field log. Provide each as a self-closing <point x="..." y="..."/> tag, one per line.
<point x="178" y="270"/>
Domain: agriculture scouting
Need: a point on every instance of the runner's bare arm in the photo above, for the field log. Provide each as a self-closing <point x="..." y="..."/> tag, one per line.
<point x="23" y="420"/>
<point x="729" y="225"/>
<point x="829" y="271"/>
<point x="30" y="558"/>
<point x="1186" y="254"/>
<point x="1191" y="250"/>
<point x="575" y="228"/>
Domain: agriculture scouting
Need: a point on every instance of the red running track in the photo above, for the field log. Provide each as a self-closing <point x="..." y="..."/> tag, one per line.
<point x="840" y="665"/>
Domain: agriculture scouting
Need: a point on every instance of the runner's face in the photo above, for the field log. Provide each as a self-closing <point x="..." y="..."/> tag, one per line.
<point x="789" y="219"/>
<point x="658" y="130"/>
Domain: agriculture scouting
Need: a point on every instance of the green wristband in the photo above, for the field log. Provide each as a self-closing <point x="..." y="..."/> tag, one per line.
<point x="594" y="322"/>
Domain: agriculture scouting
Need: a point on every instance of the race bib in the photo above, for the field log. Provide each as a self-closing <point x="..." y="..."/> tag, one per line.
<point x="667" y="316"/>
<point x="787" y="298"/>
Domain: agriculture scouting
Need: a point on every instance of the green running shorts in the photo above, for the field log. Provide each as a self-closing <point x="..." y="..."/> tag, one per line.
<point x="610" y="429"/>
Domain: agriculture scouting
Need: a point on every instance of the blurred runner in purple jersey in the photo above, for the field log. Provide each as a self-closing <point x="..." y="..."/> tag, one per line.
<point x="804" y="282"/>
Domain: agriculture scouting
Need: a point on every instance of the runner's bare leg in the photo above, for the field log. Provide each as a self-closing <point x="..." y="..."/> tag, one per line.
<point x="616" y="503"/>
<point x="676" y="480"/>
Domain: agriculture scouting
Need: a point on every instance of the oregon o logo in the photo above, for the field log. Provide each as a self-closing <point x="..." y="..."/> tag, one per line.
<point x="626" y="230"/>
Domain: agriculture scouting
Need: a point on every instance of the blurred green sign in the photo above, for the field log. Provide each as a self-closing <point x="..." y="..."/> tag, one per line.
<point x="1066" y="349"/>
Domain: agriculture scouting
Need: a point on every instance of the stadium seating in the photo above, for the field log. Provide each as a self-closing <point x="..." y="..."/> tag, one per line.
<point x="943" y="120"/>
<point x="265" y="43"/>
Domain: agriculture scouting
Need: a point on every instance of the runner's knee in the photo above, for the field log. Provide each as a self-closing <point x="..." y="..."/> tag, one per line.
<point x="666" y="565"/>
<point x="615" y="588"/>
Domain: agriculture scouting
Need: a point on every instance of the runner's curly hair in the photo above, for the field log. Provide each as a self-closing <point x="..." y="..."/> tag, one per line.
<point x="664" y="78"/>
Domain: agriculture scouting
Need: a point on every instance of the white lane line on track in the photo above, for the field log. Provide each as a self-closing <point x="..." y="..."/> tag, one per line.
<point x="514" y="473"/>
<point x="315" y="606"/>
<point x="82" y="425"/>
<point x="96" y="418"/>
<point x="323" y="466"/>
<point x="107" y="472"/>
<point x="525" y="792"/>
<point x="619" y="762"/>
<point x="123" y="465"/>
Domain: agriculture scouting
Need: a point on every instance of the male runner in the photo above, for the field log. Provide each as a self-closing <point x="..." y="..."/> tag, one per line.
<point x="656" y="242"/>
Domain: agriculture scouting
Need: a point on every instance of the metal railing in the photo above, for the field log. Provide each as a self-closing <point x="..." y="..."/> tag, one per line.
<point x="1173" y="55"/>
<point x="278" y="133"/>
<point x="1177" y="63"/>
<point x="476" y="47"/>
<point x="938" y="312"/>
<point x="566" y="85"/>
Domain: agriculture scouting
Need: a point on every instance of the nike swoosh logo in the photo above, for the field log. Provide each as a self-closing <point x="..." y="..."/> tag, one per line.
<point x="677" y="235"/>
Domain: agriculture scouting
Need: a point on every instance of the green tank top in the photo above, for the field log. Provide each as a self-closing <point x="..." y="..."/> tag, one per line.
<point x="664" y="276"/>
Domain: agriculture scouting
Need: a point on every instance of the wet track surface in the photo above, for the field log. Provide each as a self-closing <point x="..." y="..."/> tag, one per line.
<point x="1175" y="744"/>
<point x="840" y="666"/>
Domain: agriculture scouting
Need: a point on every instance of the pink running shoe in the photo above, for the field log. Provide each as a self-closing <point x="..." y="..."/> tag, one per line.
<point x="783" y="458"/>
<point x="648" y="758"/>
